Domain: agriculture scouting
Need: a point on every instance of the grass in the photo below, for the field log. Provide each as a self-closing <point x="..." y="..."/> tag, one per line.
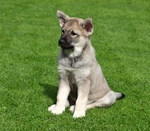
<point x="29" y="31"/>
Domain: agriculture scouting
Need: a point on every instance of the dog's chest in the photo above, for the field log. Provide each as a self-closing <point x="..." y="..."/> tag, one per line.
<point x="72" y="62"/>
<point x="72" y="82"/>
<point x="71" y="77"/>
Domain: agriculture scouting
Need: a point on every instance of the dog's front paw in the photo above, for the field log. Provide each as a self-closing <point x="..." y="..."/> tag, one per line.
<point x="56" y="110"/>
<point x="78" y="114"/>
<point x="72" y="108"/>
<point x="52" y="107"/>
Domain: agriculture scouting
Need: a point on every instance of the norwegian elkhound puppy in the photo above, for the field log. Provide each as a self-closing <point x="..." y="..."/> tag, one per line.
<point x="82" y="84"/>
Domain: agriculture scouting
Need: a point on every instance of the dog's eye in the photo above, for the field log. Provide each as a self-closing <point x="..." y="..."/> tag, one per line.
<point x="73" y="33"/>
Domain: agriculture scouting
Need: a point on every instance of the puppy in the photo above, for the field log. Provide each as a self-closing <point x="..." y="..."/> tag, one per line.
<point x="82" y="84"/>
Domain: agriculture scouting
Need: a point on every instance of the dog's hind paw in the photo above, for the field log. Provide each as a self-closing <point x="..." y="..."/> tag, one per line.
<point x="72" y="108"/>
<point x="56" y="110"/>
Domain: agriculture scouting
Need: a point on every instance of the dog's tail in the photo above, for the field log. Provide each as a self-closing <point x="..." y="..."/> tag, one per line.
<point x="119" y="95"/>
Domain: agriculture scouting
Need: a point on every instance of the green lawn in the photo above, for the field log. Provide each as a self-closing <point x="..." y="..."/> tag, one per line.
<point x="29" y="33"/>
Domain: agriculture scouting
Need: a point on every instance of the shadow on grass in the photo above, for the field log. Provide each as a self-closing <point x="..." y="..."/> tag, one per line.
<point x="50" y="91"/>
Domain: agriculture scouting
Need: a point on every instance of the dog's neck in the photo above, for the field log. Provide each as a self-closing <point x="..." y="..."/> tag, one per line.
<point x="68" y="52"/>
<point x="74" y="59"/>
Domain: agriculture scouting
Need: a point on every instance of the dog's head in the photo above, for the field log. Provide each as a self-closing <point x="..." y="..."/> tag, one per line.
<point x="75" y="32"/>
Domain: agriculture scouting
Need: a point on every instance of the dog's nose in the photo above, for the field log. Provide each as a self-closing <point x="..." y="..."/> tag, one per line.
<point x="61" y="41"/>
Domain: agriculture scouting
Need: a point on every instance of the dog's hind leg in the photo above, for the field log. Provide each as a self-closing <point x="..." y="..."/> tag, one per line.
<point x="105" y="101"/>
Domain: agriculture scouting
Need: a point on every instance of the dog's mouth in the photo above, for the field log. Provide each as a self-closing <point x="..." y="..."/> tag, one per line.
<point x="65" y="45"/>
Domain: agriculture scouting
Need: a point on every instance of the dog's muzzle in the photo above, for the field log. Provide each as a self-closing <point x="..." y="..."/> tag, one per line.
<point x="64" y="44"/>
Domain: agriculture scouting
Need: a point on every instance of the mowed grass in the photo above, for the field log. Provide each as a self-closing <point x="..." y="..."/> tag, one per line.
<point x="29" y="33"/>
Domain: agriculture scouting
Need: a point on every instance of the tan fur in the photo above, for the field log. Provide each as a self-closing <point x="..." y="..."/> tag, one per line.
<point x="81" y="81"/>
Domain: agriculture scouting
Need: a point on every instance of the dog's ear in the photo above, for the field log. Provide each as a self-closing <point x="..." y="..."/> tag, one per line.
<point x="88" y="26"/>
<point x="62" y="17"/>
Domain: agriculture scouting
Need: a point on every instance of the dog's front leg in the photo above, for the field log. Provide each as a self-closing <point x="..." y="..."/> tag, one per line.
<point x="83" y="92"/>
<point x="62" y="96"/>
